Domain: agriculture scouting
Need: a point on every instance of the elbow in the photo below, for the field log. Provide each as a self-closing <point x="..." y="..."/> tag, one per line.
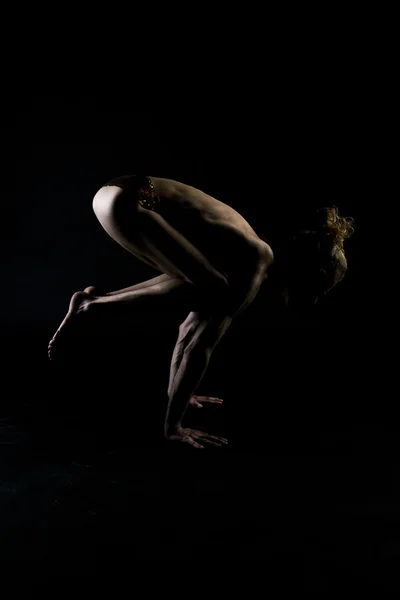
<point x="223" y="282"/>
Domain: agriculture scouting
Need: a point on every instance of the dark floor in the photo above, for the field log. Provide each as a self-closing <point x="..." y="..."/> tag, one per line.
<point x="309" y="485"/>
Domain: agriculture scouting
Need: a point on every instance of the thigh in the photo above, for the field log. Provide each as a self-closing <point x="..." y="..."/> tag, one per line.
<point x="117" y="211"/>
<point x="149" y="236"/>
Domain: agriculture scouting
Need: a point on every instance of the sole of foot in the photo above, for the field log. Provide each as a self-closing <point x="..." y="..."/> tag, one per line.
<point x="78" y="304"/>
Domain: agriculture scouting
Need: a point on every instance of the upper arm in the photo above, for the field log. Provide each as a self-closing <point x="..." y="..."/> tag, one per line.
<point x="205" y="329"/>
<point x="241" y="296"/>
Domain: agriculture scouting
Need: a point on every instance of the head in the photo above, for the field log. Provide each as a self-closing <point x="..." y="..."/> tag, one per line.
<point x="316" y="261"/>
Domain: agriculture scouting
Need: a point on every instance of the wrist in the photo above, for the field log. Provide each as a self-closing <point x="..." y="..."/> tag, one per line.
<point x="172" y="428"/>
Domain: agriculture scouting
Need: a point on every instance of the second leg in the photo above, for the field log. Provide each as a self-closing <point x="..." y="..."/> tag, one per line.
<point x="152" y="239"/>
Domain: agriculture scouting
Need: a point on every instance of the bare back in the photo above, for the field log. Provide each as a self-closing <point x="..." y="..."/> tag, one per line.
<point x="218" y="231"/>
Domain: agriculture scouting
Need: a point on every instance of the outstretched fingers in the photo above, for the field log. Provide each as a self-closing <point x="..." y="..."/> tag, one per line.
<point x="211" y="443"/>
<point x="214" y="400"/>
<point x="198" y="439"/>
<point x="195" y="444"/>
<point x="209" y="439"/>
<point x="199" y="401"/>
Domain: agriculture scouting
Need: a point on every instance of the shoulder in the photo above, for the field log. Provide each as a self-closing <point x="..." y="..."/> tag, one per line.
<point x="263" y="258"/>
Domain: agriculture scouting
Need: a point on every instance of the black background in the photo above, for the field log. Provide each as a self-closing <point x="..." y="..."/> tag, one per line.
<point x="309" y="482"/>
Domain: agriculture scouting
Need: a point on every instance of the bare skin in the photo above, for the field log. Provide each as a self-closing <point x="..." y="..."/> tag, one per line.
<point x="221" y="234"/>
<point x="213" y="264"/>
<point x="195" y="401"/>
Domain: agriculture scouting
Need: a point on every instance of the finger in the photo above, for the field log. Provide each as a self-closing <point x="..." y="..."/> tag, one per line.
<point x="90" y="290"/>
<point x="211" y="443"/>
<point x="202" y="434"/>
<point x="198" y="405"/>
<point x="205" y="436"/>
<point x="217" y="439"/>
<point x="195" y="444"/>
<point x="211" y="400"/>
<point x="199" y="434"/>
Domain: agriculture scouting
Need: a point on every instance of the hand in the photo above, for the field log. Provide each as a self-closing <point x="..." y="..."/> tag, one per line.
<point x="196" y="438"/>
<point x="197" y="401"/>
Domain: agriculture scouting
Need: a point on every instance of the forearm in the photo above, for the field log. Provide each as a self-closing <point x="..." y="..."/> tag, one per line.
<point x="192" y="367"/>
<point x="198" y="336"/>
<point x="175" y="364"/>
<point x="187" y="331"/>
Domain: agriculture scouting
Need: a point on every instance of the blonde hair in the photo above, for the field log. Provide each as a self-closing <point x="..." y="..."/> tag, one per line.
<point x="336" y="227"/>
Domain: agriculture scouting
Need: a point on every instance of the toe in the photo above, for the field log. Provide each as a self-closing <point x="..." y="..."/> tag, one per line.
<point x="90" y="290"/>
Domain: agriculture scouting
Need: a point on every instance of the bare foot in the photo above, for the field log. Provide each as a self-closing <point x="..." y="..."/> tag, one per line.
<point x="91" y="290"/>
<point x="79" y="304"/>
